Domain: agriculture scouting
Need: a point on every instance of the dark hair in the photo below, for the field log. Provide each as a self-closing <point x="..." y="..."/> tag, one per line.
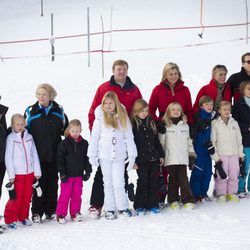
<point x="205" y="99"/>
<point x="243" y="57"/>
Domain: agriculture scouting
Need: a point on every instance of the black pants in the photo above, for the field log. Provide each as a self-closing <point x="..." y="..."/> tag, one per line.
<point x="97" y="193"/>
<point x="147" y="185"/>
<point x="2" y="173"/>
<point x="49" y="185"/>
<point x="178" y="179"/>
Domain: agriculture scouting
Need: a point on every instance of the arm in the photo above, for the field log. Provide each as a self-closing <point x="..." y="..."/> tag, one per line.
<point x="215" y="156"/>
<point x="196" y="103"/>
<point x="129" y="140"/>
<point x="8" y="158"/>
<point x="189" y="110"/>
<point x="239" y="141"/>
<point x="61" y="159"/>
<point x="37" y="167"/>
<point x="236" y="115"/>
<point x="153" y="104"/>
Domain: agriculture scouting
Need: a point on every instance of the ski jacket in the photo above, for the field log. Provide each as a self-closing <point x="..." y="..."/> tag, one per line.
<point x="162" y="96"/>
<point x="127" y="95"/>
<point x="241" y="113"/>
<point x="147" y="142"/>
<point x="226" y="139"/>
<point x="212" y="91"/>
<point x="46" y="128"/>
<point x="3" y="131"/>
<point x="177" y="144"/>
<point x="234" y="82"/>
<point x="72" y="159"/>
<point x="110" y="143"/>
<point x="21" y="156"/>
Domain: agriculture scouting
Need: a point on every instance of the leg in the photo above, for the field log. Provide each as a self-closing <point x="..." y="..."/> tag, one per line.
<point x="221" y="185"/>
<point x="247" y="165"/>
<point x="2" y="173"/>
<point x="173" y="184"/>
<point x="233" y="174"/>
<point x="205" y="181"/>
<point x="162" y="195"/>
<point x="76" y="194"/>
<point x="97" y="194"/>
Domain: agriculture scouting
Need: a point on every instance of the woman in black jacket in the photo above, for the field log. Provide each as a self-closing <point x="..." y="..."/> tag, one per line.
<point x="150" y="156"/>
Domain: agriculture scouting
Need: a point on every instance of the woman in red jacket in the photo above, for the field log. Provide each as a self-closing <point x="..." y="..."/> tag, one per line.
<point x="217" y="89"/>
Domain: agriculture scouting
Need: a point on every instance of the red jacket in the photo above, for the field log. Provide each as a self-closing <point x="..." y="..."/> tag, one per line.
<point x="127" y="95"/>
<point x="211" y="90"/>
<point x="162" y="96"/>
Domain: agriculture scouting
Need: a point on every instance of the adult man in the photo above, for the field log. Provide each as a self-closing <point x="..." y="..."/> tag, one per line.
<point x="244" y="75"/>
<point x="127" y="93"/>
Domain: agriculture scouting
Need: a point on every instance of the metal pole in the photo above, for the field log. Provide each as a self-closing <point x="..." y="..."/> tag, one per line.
<point x="88" y="30"/>
<point x="41" y="7"/>
<point x="246" y="21"/>
<point x="102" y="47"/>
<point x="52" y="40"/>
<point x="110" y="34"/>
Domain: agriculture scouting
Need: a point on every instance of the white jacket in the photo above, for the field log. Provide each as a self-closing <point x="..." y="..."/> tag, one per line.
<point x="227" y="139"/>
<point x="110" y="143"/>
<point x="177" y="144"/>
<point x="21" y="155"/>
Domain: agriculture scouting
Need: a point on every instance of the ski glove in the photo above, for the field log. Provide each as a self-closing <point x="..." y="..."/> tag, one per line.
<point x="64" y="179"/>
<point x="218" y="166"/>
<point x="242" y="168"/>
<point x="86" y="176"/>
<point x="191" y="161"/>
<point x="131" y="162"/>
<point x="11" y="190"/>
<point x="160" y="127"/>
<point x="37" y="188"/>
<point x="131" y="192"/>
<point x="210" y="147"/>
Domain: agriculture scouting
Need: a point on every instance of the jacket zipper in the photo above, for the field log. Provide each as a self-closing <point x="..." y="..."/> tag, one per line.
<point x="26" y="158"/>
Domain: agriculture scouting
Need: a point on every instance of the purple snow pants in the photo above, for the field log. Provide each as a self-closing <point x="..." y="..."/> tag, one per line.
<point x="71" y="192"/>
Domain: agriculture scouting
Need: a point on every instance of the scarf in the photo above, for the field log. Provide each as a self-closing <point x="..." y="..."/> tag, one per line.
<point x="220" y="89"/>
<point x="247" y="100"/>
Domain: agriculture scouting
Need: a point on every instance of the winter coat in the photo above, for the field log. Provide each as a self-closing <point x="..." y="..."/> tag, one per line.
<point x="241" y="113"/>
<point x="72" y="159"/>
<point x="127" y="95"/>
<point x="46" y="129"/>
<point x="162" y="96"/>
<point x="147" y="142"/>
<point x="3" y="131"/>
<point x="177" y="144"/>
<point x="235" y="80"/>
<point x="226" y="139"/>
<point x="110" y="143"/>
<point x="212" y="91"/>
<point x="21" y="156"/>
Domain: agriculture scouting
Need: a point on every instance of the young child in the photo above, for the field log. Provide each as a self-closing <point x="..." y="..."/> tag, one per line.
<point x="227" y="141"/>
<point x="202" y="171"/>
<point x="150" y="155"/>
<point x="241" y="113"/>
<point x="22" y="165"/>
<point x="178" y="147"/>
<point x="74" y="167"/>
<point x="111" y="143"/>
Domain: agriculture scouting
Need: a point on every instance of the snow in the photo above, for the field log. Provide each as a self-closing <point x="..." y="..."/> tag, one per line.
<point x="213" y="225"/>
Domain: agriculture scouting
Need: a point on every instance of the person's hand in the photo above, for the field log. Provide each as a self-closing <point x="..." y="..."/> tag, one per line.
<point x="64" y="179"/>
<point x="210" y="147"/>
<point x="131" y="162"/>
<point x="37" y="177"/>
<point x="135" y="166"/>
<point x="242" y="168"/>
<point x="12" y="180"/>
<point x="86" y="176"/>
<point x="191" y="162"/>
<point x="161" y="161"/>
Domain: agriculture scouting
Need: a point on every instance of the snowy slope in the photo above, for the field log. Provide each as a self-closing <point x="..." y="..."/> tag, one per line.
<point x="217" y="226"/>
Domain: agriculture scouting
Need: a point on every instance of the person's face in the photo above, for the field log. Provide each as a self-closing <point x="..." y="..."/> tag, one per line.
<point x="172" y="76"/>
<point x="220" y="76"/>
<point x="225" y="111"/>
<point x="247" y="91"/>
<point x="43" y="97"/>
<point x="120" y="73"/>
<point x="208" y="106"/>
<point x="19" y="125"/>
<point x="175" y="112"/>
<point x="109" y="105"/>
<point x="246" y="64"/>
<point x="75" y="132"/>
<point x="143" y="114"/>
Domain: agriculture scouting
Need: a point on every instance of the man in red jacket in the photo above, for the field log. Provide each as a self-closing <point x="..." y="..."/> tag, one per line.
<point x="127" y="93"/>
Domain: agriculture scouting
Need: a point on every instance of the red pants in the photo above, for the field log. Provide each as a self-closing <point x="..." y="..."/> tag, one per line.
<point x="18" y="209"/>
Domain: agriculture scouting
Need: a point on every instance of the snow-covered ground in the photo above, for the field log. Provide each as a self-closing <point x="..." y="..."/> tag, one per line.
<point x="217" y="226"/>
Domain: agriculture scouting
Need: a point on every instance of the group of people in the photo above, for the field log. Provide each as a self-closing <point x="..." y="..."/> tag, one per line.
<point x="158" y="139"/>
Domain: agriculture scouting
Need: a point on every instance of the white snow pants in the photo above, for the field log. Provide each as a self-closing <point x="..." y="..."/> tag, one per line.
<point x="114" y="190"/>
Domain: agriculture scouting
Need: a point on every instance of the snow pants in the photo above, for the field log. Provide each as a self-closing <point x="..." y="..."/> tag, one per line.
<point x="18" y="209"/>
<point x="2" y="173"/>
<point x="162" y="195"/>
<point x="70" y="196"/>
<point x="242" y="181"/>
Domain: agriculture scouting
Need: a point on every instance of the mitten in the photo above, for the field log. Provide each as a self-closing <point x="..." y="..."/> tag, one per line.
<point x="131" y="193"/>
<point x="218" y="166"/>
<point x="86" y="176"/>
<point x="160" y="127"/>
<point x="201" y="124"/>
<point x="242" y="168"/>
<point x="94" y="161"/>
<point x="131" y="163"/>
<point x="11" y="190"/>
<point x="64" y="179"/>
<point x="210" y="147"/>
<point x="37" y="187"/>
<point x="162" y="185"/>
<point x="191" y="161"/>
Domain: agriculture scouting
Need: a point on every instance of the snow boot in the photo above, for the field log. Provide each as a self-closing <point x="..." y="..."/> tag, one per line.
<point x="95" y="212"/>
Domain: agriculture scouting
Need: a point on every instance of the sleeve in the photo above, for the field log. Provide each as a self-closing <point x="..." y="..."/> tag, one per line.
<point x="214" y="132"/>
<point x="37" y="167"/>
<point x="189" y="110"/>
<point x="9" y="158"/>
<point x="61" y="159"/>
<point x="87" y="165"/>
<point x="236" y="115"/>
<point x="196" y="103"/>
<point x="239" y="141"/>
<point x="190" y="145"/>
<point x="159" y="148"/>
<point x="153" y="104"/>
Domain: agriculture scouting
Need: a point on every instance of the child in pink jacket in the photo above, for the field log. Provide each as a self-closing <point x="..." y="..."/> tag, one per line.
<point x="22" y="165"/>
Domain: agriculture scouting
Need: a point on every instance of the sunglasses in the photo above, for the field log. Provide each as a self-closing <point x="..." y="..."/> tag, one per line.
<point x="248" y="62"/>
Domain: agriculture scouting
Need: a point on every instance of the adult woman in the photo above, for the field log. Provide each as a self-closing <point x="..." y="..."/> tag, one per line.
<point x="46" y="122"/>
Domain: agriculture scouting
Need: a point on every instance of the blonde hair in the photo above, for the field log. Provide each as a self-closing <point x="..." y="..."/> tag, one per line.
<point x="167" y="68"/>
<point x="243" y="85"/>
<point x="218" y="68"/>
<point x="138" y="107"/>
<point x="16" y="116"/>
<point x="224" y="103"/>
<point x="72" y="123"/>
<point x="52" y="92"/>
<point x="205" y="99"/>
<point x="167" y="116"/>
<point x="120" y="112"/>
<point x="119" y="62"/>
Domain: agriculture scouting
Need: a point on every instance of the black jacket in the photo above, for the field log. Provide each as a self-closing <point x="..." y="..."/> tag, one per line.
<point x="241" y="113"/>
<point x="3" y="131"/>
<point x="72" y="159"/>
<point x="46" y="129"/>
<point x="147" y="142"/>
